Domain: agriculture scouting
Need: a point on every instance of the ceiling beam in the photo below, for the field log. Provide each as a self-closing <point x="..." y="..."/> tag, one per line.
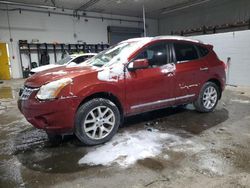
<point x="87" y="5"/>
<point x="183" y="6"/>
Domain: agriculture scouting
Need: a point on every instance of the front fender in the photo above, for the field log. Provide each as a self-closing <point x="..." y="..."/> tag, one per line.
<point x="115" y="89"/>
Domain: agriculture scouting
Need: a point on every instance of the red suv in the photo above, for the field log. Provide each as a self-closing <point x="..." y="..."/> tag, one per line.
<point x="132" y="77"/>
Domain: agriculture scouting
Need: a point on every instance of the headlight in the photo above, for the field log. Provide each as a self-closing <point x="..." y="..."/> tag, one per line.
<point x="52" y="89"/>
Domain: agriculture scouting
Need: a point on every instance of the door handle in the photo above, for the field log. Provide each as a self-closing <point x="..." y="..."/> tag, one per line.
<point x="204" y="69"/>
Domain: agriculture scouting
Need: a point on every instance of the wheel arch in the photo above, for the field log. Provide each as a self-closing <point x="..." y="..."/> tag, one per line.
<point x="106" y="95"/>
<point x="218" y="83"/>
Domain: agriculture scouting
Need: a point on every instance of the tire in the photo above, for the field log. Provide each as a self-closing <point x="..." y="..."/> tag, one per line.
<point x="97" y="121"/>
<point x="208" y="98"/>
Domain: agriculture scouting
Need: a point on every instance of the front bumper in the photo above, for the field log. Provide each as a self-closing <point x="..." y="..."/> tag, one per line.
<point x="55" y="117"/>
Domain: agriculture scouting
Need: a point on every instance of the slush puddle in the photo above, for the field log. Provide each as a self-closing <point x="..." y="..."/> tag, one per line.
<point x="126" y="148"/>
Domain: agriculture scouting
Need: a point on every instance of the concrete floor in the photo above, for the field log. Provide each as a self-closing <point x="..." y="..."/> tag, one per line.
<point x="193" y="149"/>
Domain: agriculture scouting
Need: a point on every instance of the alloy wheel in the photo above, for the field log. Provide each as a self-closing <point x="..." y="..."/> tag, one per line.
<point x="99" y="122"/>
<point x="210" y="97"/>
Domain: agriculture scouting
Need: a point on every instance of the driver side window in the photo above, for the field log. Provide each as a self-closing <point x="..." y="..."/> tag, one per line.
<point x="155" y="54"/>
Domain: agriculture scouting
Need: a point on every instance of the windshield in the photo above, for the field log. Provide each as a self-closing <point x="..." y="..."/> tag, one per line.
<point x="116" y="54"/>
<point x="64" y="60"/>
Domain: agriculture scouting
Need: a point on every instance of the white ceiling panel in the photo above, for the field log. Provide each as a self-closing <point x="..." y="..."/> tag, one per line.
<point x="153" y="8"/>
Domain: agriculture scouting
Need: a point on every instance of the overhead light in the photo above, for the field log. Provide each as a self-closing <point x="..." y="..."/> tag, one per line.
<point x="27" y="5"/>
<point x="169" y="10"/>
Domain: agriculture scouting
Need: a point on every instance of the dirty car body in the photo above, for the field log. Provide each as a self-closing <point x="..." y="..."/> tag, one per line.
<point x="132" y="77"/>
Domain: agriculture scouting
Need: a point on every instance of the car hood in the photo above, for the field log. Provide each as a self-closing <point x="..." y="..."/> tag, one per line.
<point x="44" y="77"/>
<point x="44" y="67"/>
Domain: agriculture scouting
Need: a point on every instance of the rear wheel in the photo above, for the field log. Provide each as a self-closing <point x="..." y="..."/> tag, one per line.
<point x="208" y="98"/>
<point x="97" y="121"/>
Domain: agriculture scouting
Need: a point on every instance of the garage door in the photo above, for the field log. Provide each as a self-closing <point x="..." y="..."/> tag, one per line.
<point x="236" y="46"/>
<point x="118" y="34"/>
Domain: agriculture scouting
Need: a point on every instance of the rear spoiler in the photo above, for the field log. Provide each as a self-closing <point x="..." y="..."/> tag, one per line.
<point x="209" y="46"/>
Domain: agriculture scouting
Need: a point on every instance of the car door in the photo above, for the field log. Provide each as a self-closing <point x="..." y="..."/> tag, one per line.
<point x="191" y="71"/>
<point x="151" y="88"/>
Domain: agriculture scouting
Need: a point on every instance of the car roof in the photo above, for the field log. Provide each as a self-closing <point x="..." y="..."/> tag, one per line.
<point x="166" y="37"/>
<point x="171" y="37"/>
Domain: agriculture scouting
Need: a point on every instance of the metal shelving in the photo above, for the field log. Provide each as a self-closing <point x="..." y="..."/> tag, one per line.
<point x="55" y="49"/>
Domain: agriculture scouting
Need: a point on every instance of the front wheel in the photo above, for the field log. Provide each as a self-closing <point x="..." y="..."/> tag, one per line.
<point x="208" y="98"/>
<point x="97" y="121"/>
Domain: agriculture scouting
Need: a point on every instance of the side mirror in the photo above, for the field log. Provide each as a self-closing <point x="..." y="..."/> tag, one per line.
<point x="138" y="64"/>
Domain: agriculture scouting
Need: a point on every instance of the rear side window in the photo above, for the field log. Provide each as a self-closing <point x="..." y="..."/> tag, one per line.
<point x="185" y="52"/>
<point x="203" y="51"/>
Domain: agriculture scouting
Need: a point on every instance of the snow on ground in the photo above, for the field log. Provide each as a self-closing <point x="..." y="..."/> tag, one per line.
<point x="126" y="148"/>
<point x="241" y="101"/>
<point x="2" y="110"/>
<point x="5" y="104"/>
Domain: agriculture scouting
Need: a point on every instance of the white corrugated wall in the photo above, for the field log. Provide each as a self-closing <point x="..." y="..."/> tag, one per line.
<point x="235" y="45"/>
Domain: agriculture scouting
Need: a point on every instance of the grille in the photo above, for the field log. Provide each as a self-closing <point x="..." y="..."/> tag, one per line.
<point x="26" y="92"/>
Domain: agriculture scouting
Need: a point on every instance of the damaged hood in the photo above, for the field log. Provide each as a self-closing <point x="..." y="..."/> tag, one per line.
<point x="44" y="77"/>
